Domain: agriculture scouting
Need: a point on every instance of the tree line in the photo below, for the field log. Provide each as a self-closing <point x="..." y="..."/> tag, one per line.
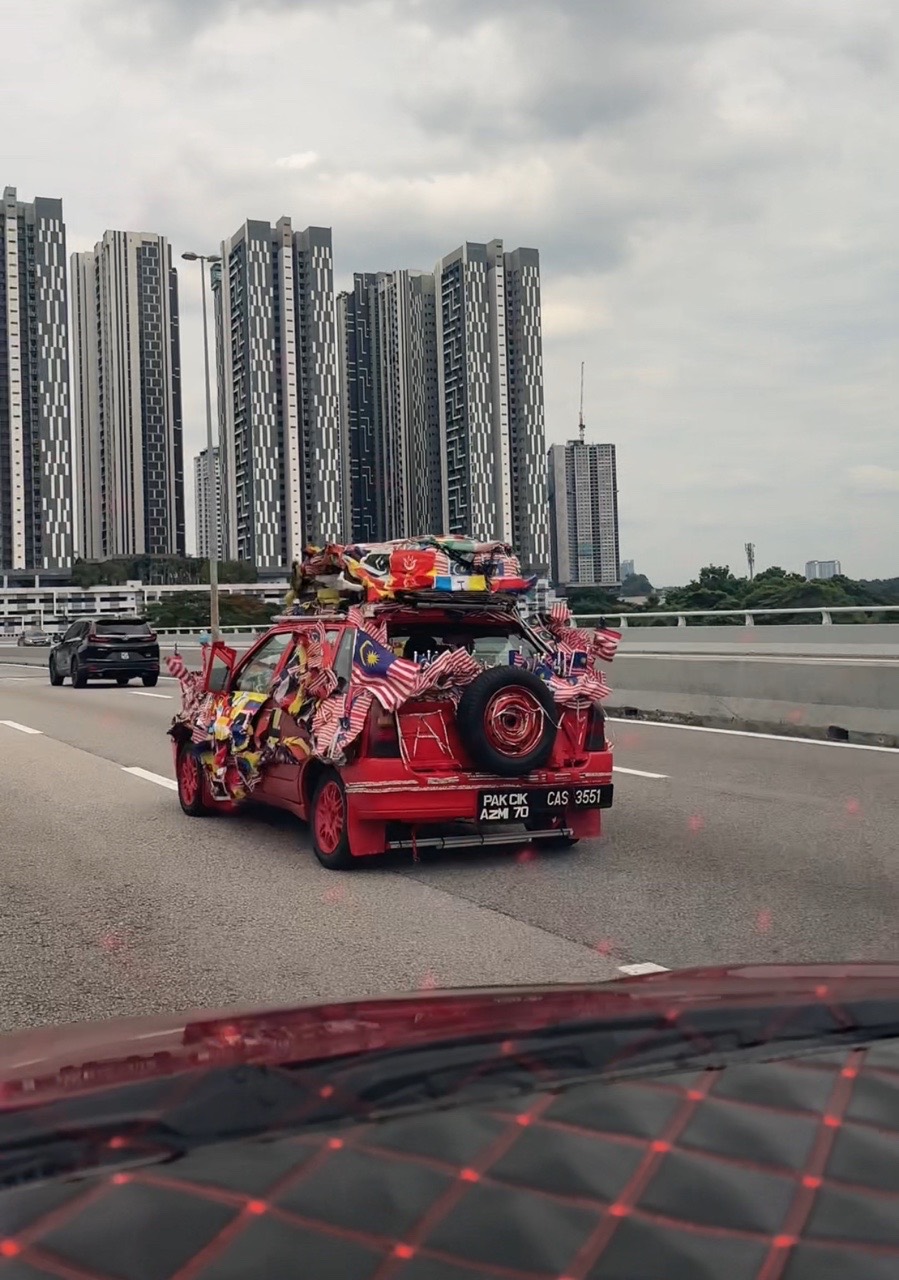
<point x="717" y="588"/>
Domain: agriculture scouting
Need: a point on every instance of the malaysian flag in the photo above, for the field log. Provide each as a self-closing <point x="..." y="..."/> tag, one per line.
<point x="591" y="686"/>
<point x="326" y="723"/>
<point x="606" y="642"/>
<point x="455" y="663"/>
<point x="559" y="612"/>
<point x="177" y="666"/>
<point x="392" y="680"/>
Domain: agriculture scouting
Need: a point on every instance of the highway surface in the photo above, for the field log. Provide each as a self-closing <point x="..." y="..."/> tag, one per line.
<point x="721" y="848"/>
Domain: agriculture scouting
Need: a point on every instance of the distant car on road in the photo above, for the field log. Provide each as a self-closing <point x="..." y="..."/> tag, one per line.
<point x="106" y="649"/>
<point x="34" y="638"/>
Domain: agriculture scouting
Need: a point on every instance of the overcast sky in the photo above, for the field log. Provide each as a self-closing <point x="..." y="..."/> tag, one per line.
<point x="712" y="185"/>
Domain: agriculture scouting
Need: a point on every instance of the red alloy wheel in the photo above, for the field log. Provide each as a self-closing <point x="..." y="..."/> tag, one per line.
<point x="191" y="791"/>
<point x="330" y="817"/>
<point x="190" y="777"/>
<point x="513" y="722"/>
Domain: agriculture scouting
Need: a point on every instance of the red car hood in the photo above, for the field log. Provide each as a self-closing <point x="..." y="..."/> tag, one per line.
<point x="48" y="1062"/>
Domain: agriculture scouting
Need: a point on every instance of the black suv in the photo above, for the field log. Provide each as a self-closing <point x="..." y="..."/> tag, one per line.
<point x="106" y="649"/>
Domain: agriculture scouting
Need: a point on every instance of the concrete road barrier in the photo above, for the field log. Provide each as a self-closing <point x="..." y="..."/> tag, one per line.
<point x="817" y="697"/>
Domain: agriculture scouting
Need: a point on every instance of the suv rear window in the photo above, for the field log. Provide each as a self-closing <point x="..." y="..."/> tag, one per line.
<point x="135" y="628"/>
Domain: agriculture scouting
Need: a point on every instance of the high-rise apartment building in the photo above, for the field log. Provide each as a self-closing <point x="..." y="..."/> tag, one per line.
<point x="490" y="364"/>
<point x="816" y="570"/>
<point x="583" y="501"/>
<point x="278" y="393"/>
<point x="36" y="464"/>
<point x="208" y="502"/>
<point x="390" y="419"/>
<point x="127" y="387"/>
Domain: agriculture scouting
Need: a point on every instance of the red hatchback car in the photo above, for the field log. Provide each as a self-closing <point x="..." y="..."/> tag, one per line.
<point x="487" y="755"/>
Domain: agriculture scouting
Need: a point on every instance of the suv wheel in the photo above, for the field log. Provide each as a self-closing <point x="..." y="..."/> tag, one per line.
<point x="55" y="677"/>
<point x="328" y="820"/>
<point x="150" y="681"/>
<point x="121" y="681"/>
<point x="79" y="679"/>
<point x="191" y="783"/>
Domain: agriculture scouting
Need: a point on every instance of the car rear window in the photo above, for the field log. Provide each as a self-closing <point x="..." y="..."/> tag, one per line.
<point x="135" y="628"/>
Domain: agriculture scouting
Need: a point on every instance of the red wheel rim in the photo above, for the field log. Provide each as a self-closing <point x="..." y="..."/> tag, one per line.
<point x="513" y="722"/>
<point x="189" y="777"/>
<point x="329" y="817"/>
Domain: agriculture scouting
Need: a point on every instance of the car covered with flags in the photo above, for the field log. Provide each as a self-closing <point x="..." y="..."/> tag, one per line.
<point x="403" y="700"/>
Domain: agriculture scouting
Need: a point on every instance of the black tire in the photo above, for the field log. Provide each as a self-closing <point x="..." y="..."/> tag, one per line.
<point x="151" y="681"/>
<point x="55" y="677"/>
<point x="471" y="720"/>
<point x="121" y="681"/>
<point x="192" y="802"/>
<point x="336" y="857"/>
<point x="79" y="679"/>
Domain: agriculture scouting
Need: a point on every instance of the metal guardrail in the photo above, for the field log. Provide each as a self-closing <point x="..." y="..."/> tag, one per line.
<point x="748" y="615"/>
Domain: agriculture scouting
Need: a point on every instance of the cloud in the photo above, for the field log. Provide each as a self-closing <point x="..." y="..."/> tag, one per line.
<point x="711" y="186"/>
<point x="299" y="160"/>
<point x="873" y="479"/>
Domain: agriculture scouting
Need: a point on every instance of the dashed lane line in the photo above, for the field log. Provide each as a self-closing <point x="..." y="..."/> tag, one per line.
<point x="640" y="970"/>
<point x="638" y="773"/>
<point x="145" y="693"/>
<point x="22" y="728"/>
<point x="747" y="733"/>
<point x="147" y="776"/>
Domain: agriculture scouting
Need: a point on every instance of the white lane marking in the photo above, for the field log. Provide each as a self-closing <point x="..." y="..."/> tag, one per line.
<point x="22" y="728"/>
<point x="24" y="666"/>
<point x="145" y="693"/>
<point x="638" y="970"/>
<point x="150" y="777"/>
<point x="638" y="773"/>
<point x="746" y="733"/>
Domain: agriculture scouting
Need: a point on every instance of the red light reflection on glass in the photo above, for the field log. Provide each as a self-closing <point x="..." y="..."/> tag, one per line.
<point x="696" y="822"/>
<point x="527" y="854"/>
<point x="763" y="920"/>
<point x="853" y="806"/>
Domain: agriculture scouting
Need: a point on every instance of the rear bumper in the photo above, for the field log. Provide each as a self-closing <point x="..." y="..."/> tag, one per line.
<point x="115" y="667"/>
<point x="381" y="792"/>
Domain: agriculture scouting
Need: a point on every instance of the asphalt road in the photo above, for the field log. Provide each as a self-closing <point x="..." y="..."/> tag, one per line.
<point x="721" y="848"/>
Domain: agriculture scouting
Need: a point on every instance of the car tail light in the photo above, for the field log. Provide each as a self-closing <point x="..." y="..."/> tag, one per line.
<point x="383" y="738"/>
<point x="596" y="732"/>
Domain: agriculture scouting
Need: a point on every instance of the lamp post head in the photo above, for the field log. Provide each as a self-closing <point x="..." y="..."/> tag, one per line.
<point x="190" y="257"/>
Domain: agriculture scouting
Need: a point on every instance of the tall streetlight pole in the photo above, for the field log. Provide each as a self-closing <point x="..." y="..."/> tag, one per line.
<point x="212" y="521"/>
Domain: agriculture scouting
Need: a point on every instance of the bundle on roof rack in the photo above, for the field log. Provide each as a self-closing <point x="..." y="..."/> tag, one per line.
<point x="338" y="575"/>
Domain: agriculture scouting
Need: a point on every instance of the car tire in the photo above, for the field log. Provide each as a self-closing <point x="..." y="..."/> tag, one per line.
<point x="121" y="681"/>
<point x="151" y="681"/>
<point x="55" y="677"/>
<point x="191" y="783"/>
<point x="328" y="823"/>
<point x="507" y="721"/>
<point x="79" y="679"/>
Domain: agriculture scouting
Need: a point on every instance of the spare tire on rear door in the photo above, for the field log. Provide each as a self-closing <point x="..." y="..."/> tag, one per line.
<point x="507" y="721"/>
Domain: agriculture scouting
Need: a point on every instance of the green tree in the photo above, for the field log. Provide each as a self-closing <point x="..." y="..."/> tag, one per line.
<point x="636" y="584"/>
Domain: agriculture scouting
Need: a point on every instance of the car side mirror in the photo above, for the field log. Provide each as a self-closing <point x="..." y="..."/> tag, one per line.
<point x="218" y="667"/>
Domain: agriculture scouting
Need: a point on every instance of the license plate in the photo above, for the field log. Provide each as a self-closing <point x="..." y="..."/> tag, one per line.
<point x="514" y="805"/>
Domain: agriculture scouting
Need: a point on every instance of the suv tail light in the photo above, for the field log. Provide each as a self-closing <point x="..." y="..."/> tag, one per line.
<point x="596" y="732"/>
<point x="383" y="738"/>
